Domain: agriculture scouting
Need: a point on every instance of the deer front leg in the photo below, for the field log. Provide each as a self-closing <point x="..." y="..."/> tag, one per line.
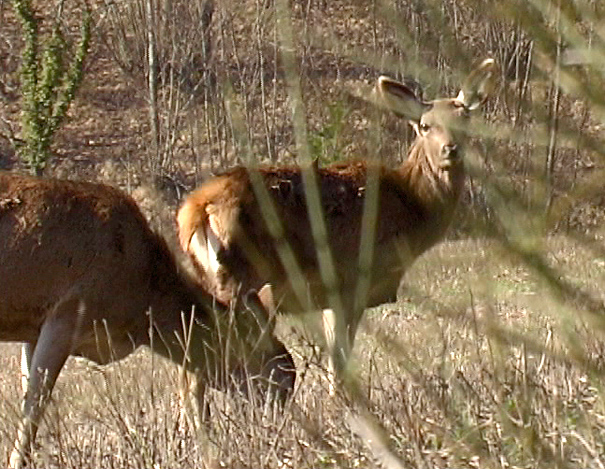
<point x="340" y="342"/>
<point x="27" y="351"/>
<point x="338" y="347"/>
<point x="49" y="356"/>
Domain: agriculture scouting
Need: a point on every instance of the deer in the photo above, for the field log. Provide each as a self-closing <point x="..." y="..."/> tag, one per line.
<point x="83" y="274"/>
<point x="222" y="228"/>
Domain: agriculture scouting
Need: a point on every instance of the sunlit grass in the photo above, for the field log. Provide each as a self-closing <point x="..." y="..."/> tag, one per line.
<point x="493" y="357"/>
<point x="446" y="392"/>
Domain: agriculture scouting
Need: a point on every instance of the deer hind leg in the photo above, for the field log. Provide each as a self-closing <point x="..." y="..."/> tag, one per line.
<point x="49" y="355"/>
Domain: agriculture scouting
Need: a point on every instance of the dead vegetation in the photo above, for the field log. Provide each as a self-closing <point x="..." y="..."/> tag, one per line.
<point x="445" y="388"/>
<point x="493" y="357"/>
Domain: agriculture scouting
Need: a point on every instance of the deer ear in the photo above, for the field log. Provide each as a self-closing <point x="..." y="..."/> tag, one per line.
<point x="415" y="125"/>
<point x="478" y="85"/>
<point x="399" y="98"/>
<point x="256" y="306"/>
<point x="265" y="295"/>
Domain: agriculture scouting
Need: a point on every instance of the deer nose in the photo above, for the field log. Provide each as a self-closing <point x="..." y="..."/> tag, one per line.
<point x="450" y="151"/>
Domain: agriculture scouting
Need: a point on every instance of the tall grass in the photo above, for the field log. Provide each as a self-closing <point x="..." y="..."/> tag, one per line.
<point x="493" y="357"/>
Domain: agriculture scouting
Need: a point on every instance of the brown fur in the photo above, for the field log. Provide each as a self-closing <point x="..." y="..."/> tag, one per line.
<point x="249" y="255"/>
<point x="416" y="203"/>
<point x="79" y="266"/>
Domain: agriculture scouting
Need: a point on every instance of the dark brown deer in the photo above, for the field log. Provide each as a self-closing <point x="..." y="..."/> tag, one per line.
<point x="81" y="273"/>
<point x="221" y="224"/>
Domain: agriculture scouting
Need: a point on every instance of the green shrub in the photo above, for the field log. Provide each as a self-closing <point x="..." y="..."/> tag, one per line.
<point x="49" y="80"/>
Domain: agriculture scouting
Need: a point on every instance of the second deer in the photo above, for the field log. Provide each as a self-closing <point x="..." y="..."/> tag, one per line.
<point x="221" y="224"/>
<point x="81" y="273"/>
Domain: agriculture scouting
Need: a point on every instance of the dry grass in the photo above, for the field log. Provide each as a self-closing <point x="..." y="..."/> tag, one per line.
<point x="441" y="388"/>
<point x="494" y="356"/>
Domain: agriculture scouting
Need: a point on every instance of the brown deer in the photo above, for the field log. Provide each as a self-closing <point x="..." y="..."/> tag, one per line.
<point x="81" y="273"/>
<point x="221" y="224"/>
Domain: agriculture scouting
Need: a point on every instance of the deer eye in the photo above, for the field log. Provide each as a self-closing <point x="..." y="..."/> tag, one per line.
<point x="424" y="128"/>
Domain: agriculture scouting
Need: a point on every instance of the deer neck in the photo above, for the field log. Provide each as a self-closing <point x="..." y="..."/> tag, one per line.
<point x="435" y="192"/>
<point x="173" y="297"/>
<point x="435" y="188"/>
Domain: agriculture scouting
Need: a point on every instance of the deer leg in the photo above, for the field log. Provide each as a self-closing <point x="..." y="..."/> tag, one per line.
<point x="270" y="382"/>
<point x="27" y="351"/>
<point x="352" y="326"/>
<point x="278" y="377"/>
<point x="49" y="355"/>
<point x="338" y="346"/>
<point x="340" y="339"/>
<point x="329" y="329"/>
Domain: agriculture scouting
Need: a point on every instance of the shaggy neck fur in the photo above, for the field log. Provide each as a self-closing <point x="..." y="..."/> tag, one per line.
<point x="436" y="188"/>
<point x="436" y="191"/>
